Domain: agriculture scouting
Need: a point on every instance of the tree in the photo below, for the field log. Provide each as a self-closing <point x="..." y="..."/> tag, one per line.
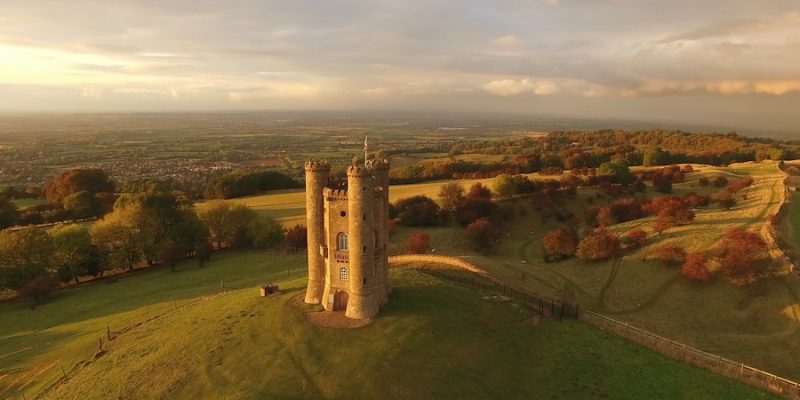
<point x="599" y="246"/>
<point x="119" y="237"/>
<point x="416" y="211"/>
<point x="83" y="204"/>
<point x="73" y="254"/>
<point x="474" y="208"/>
<point x="743" y="256"/>
<point x="479" y="191"/>
<point x="266" y="233"/>
<point x="505" y="185"/>
<point x="617" y="170"/>
<point x="227" y="222"/>
<point x="297" y="238"/>
<point x="636" y="238"/>
<point x="559" y="244"/>
<point x="9" y="215"/>
<point x="24" y="255"/>
<point x="669" y="256"/>
<point x="481" y="234"/>
<point x="92" y="180"/>
<point x="662" y="184"/>
<point x="605" y="217"/>
<point x="418" y="243"/>
<point x="451" y="196"/>
<point x="171" y="253"/>
<point x="653" y="156"/>
<point x="696" y="267"/>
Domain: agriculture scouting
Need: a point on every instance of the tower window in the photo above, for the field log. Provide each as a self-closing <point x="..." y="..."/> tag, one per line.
<point x="364" y="217"/>
<point x="343" y="213"/>
<point x="341" y="241"/>
<point x="343" y="274"/>
<point x="364" y="249"/>
<point x="364" y="281"/>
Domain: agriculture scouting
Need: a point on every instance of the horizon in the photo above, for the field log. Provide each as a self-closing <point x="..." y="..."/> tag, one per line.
<point x="727" y="64"/>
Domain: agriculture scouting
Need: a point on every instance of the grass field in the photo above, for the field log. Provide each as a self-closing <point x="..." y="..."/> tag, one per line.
<point x="434" y="340"/>
<point x="794" y="218"/>
<point x="289" y="206"/>
<point x="757" y="325"/>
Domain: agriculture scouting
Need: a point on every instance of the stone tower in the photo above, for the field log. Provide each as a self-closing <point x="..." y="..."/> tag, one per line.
<point x="317" y="175"/>
<point x="348" y="237"/>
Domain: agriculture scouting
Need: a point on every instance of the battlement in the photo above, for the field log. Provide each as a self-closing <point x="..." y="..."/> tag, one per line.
<point x="357" y="171"/>
<point x="317" y="166"/>
<point x="335" y="193"/>
<point x="378" y="164"/>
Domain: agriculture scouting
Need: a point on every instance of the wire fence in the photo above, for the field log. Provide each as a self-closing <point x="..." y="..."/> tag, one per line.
<point x="690" y="355"/>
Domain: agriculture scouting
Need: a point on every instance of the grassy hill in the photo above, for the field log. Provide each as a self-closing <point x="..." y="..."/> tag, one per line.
<point x="434" y="340"/>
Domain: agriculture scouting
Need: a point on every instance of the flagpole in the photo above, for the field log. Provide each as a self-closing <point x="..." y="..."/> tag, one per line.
<point x="365" y="150"/>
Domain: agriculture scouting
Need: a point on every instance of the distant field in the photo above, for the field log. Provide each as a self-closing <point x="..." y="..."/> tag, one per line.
<point x="289" y="206"/>
<point x="794" y="217"/>
<point x="434" y="340"/>
<point x="25" y="203"/>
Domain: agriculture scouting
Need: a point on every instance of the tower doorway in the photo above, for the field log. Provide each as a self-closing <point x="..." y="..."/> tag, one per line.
<point x="340" y="301"/>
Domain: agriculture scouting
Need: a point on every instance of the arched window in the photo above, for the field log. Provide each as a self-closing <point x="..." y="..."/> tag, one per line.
<point x="341" y="241"/>
<point x="343" y="274"/>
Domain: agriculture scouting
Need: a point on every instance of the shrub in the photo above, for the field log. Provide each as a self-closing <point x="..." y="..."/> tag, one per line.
<point x="479" y="191"/>
<point x="418" y="243"/>
<point x="559" y="244"/>
<point x="451" y="195"/>
<point x="695" y="200"/>
<point x="481" y="234"/>
<point x="636" y="238"/>
<point x="599" y="246"/>
<point x="662" y="184"/>
<point x="669" y="256"/>
<point x="605" y="217"/>
<point x="704" y="181"/>
<point x="628" y="209"/>
<point x="740" y="184"/>
<point x="720" y="181"/>
<point x="391" y="226"/>
<point x="695" y="268"/>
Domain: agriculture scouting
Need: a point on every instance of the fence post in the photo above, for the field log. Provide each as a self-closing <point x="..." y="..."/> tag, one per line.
<point x="108" y="332"/>
<point x="64" y="373"/>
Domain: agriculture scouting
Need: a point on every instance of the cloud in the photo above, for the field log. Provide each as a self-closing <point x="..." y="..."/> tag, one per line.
<point x="508" y="42"/>
<point x="510" y="87"/>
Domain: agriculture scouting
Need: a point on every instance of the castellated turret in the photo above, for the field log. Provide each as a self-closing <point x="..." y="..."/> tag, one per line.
<point x="349" y="238"/>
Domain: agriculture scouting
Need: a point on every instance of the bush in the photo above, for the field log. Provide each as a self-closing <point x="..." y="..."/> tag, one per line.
<point x="720" y="181"/>
<point x="416" y="211"/>
<point x="266" y="233"/>
<point x="481" y="234"/>
<point x="599" y="246"/>
<point x="38" y="289"/>
<point x="669" y="256"/>
<point x="740" y="184"/>
<point x="695" y="268"/>
<point x="636" y="238"/>
<point x="418" y="243"/>
<point x="662" y="184"/>
<point x="704" y="181"/>
<point x="695" y="200"/>
<point x="559" y="244"/>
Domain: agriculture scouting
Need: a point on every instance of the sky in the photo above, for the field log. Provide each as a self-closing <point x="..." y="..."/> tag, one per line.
<point x="731" y="63"/>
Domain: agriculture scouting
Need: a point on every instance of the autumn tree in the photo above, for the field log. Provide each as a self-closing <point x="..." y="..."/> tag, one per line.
<point x="600" y="245"/>
<point x="92" y="180"/>
<point x="481" y="234"/>
<point x="83" y="204"/>
<point x="39" y="288"/>
<point x="119" y="237"/>
<point x="725" y="198"/>
<point x="418" y="243"/>
<point x="9" y="215"/>
<point x="696" y="267"/>
<point x="669" y="256"/>
<point x="743" y="256"/>
<point x="636" y="238"/>
<point x="559" y="244"/>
